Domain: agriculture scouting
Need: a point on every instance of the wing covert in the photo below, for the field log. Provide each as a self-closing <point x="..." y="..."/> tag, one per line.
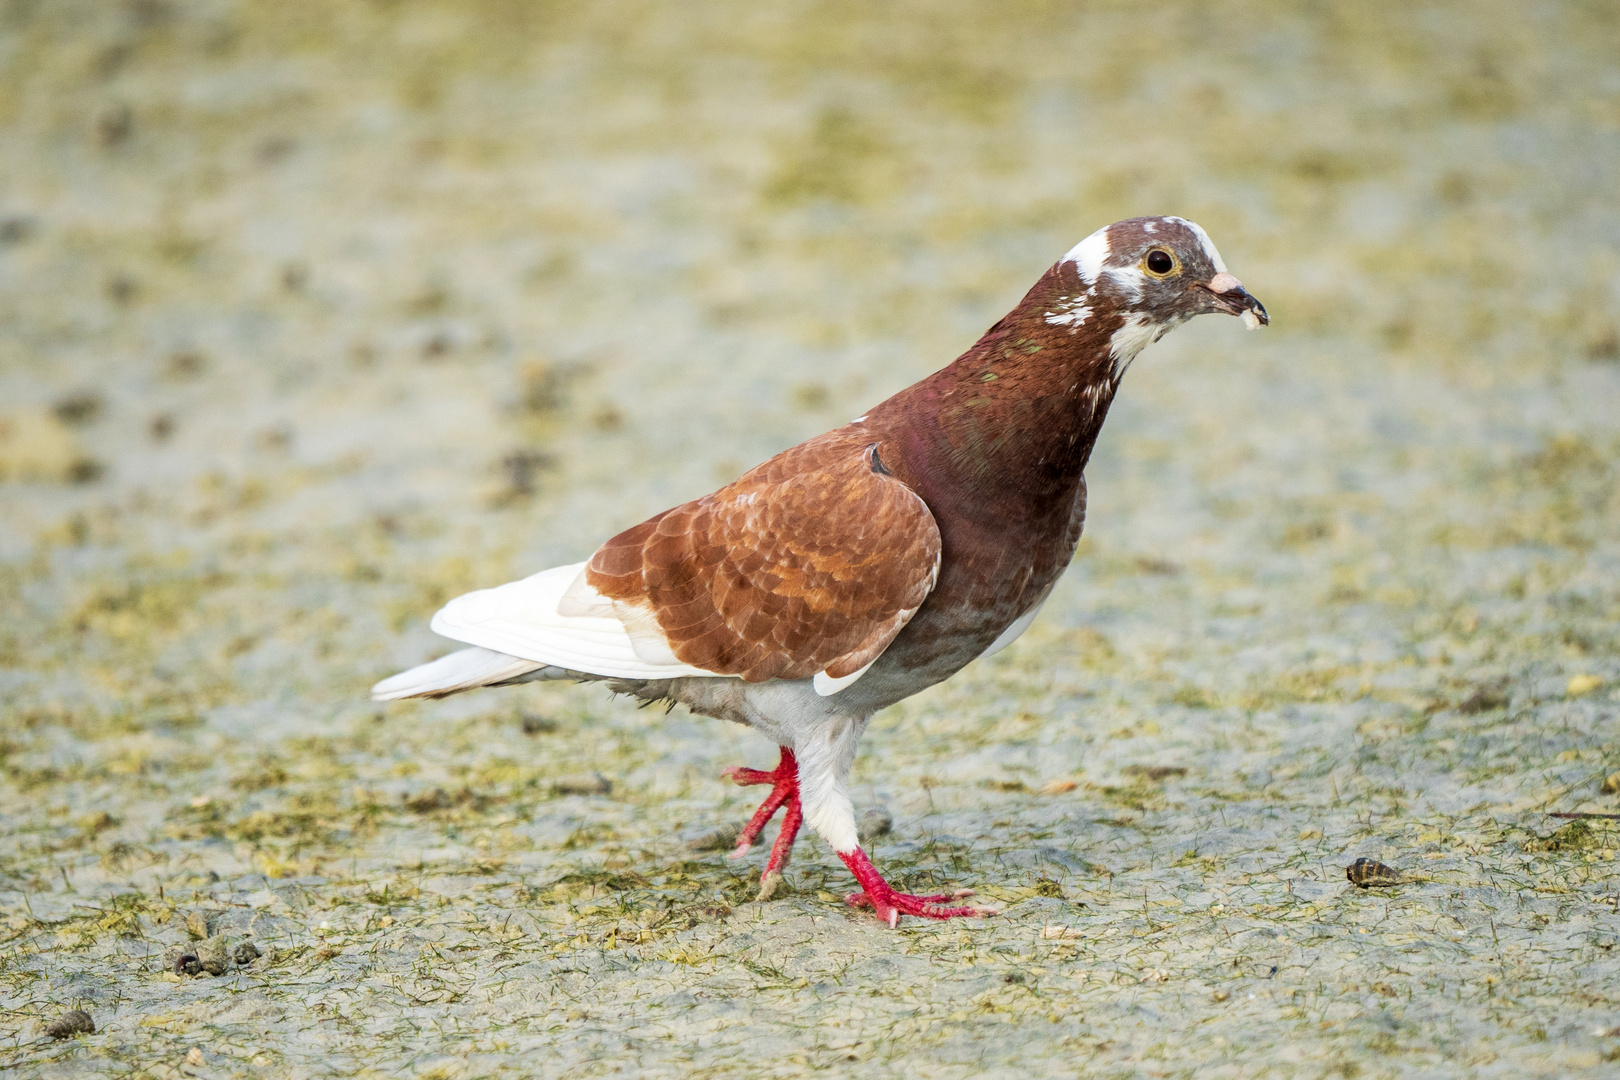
<point x="808" y="565"/>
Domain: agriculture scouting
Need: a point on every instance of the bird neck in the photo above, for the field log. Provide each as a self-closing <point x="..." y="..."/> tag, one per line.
<point x="1017" y="415"/>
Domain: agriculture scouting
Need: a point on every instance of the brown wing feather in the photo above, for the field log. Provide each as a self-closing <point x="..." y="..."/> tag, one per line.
<point x="811" y="562"/>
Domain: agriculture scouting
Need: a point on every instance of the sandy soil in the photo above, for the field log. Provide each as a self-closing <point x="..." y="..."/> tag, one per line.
<point x="312" y="316"/>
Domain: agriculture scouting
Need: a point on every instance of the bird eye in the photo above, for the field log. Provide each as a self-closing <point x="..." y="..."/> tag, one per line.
<point x="1159" y="262"/>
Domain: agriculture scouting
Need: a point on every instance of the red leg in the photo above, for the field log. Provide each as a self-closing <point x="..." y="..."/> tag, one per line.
<point x="880" y="896"/>
<point x="784" y="781"/>
<point x="782" y="850"/>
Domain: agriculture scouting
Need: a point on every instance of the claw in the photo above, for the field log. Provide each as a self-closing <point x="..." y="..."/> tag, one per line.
<point x="889" y="905"/>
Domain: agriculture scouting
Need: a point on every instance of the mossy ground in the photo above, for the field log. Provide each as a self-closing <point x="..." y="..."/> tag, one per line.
<point x="313" y="316"/>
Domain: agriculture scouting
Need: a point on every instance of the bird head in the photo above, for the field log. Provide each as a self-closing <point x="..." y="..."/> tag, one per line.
<point x="1157" y="272"/>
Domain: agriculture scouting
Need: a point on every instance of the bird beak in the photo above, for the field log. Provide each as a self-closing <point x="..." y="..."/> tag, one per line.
<point x="1232" y="298"/>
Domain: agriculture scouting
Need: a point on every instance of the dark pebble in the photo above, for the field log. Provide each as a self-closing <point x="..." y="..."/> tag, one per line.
<point x="538" y="725"/>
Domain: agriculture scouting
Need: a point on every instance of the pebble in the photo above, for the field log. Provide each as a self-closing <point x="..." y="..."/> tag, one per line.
<point x="214" y="954"/>
<point x="197" y="925"/>
<point x="71" y="1023"/>
<point x="1372" y="874"/>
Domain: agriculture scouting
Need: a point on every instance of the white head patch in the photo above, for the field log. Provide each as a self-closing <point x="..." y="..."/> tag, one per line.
<point x="1088" y="255"/>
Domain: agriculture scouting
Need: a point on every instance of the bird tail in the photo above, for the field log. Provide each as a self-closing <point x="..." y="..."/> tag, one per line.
<point x="466" y="670"/>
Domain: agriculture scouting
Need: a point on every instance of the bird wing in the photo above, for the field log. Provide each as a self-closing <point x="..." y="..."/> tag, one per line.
<point x="808" y="565"/>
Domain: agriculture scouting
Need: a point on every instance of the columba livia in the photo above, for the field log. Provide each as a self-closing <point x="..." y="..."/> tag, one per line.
<point x="865" y="564"/>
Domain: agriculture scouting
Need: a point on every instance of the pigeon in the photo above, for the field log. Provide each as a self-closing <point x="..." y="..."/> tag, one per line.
<point x="866" y="564"/>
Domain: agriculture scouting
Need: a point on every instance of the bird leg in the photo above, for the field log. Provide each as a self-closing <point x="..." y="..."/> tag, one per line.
<point x="880" y="896"/>
<point x="784" y="781"/>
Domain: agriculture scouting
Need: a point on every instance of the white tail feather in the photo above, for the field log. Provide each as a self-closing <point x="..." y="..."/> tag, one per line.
<point x="522" y="619"/>
<point x="449" y="674"/>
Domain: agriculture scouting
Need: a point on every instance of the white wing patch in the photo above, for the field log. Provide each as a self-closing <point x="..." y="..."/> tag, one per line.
<point x="526" y="619"/>
<point x="827" y="686"/>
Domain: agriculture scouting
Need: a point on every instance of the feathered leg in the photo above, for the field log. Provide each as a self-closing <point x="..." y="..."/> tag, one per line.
<point x="825" y="761"/>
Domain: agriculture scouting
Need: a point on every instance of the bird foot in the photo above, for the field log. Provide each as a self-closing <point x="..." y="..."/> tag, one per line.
<point x="889" y="905"/>
<point x="784" y="781"/>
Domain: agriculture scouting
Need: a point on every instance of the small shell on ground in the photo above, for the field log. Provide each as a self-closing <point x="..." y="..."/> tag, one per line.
<point x="1372" y="874"/>
<point x="71" y="1023"/>
<point x="182" y="960"/>
<point x="213" y="955"/>
<point x="1155" y="773"/>
<point x="720" y="838"/>
<point x="875" y="821"/>
<point x="592" y="784"/>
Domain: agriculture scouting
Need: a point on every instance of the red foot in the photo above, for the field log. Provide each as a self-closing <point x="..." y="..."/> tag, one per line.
<point x="880" y="896"/>
<point x="784" y="781"/>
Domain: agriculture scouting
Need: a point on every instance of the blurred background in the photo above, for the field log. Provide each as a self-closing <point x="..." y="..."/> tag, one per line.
<point x="343" y="307"/>
<point x="314" y="315"/>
